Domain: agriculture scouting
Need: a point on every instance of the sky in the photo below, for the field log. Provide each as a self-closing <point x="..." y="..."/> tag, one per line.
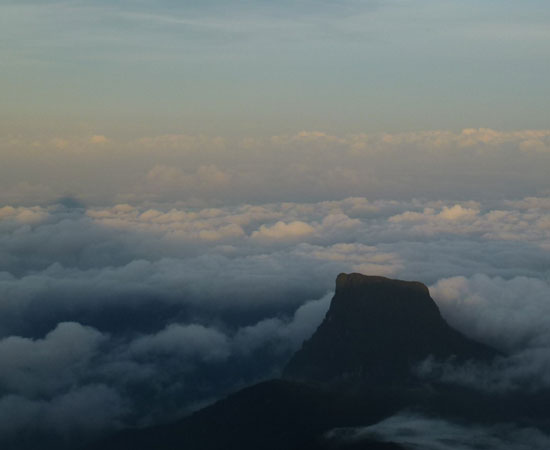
<point x="182" y="181"/>
<point x="254" y="67"/>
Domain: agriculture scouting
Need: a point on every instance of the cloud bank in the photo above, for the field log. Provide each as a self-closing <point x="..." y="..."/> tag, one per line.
<point x="152" y="311"/>
<point x="416" y="431"/>
<point x="309" y="166"/>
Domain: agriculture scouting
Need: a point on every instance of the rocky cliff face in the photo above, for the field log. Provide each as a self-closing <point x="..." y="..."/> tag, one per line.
<point x="377" y="330"/>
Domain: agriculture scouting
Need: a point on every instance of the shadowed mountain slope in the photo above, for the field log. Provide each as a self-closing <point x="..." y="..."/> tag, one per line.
<point x="356" y="369"/>
<point x="376" y="330"/>
<point x="272" y="415"/>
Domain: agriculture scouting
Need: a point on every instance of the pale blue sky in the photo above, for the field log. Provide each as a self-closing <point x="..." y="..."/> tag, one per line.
<point x="260" y="67"/>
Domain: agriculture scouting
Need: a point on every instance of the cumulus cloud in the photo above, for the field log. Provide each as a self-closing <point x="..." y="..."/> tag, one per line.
<point x="504" y="224"/>
<point x="77" y="382"/>
<point x="22" y="215"/>
<point x="47" y="385"/>
<point x="530" y="203"/>
<point x="195" y="170"/>
<point x="417" y="431"/>
<point x="77" y="414"/>
<point x="511" y="315"/>
<point x="282" y="231"/>
<point x="33" y="366"/>
<point x="185" y="341"/>
<point x="285" y="334"/>
<point x="161" y="308"/>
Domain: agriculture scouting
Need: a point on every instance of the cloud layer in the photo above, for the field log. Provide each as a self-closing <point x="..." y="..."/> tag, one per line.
<point x="199" y="170"/>
<point x="148" y="312"/>
<point x="416" y="431"/>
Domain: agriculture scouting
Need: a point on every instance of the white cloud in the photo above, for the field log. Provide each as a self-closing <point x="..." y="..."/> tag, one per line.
<point x="23" y="215"/>
<point x="185" y="341"/>
<point x="282" y="231"/>
<point x="417" y="431"/>
<point x="500" y="224"/>
<point x="288" y="335"/>
<point x="455" y="213"/>
<point x="47" y="365"/>
<point x="510" y="314"/>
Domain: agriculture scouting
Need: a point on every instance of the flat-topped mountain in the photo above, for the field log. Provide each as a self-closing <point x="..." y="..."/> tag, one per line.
<point x="376" y="330"/>
<point x="374" y="333"/>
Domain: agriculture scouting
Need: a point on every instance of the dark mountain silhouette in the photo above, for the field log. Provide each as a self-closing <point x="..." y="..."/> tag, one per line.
<point x="356" y="369"/>
<point x="273" y="415"/>
<point x="375" y="330"/>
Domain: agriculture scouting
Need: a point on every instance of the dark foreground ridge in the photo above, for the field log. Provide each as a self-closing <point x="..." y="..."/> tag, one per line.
<point x="357" y="369"/>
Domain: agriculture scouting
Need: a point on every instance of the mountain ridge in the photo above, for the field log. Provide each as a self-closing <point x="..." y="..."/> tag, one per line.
<point x="356" y="369"/>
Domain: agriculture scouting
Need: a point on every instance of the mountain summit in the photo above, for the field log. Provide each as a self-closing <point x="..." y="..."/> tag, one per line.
<point x="376" y="330"/>
<point x="354" y="371"/>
